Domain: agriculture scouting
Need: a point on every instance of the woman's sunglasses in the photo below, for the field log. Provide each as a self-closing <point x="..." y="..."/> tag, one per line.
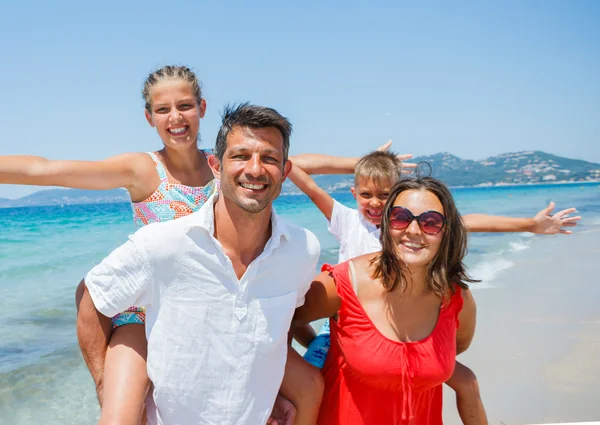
<point x="430" y="222"/>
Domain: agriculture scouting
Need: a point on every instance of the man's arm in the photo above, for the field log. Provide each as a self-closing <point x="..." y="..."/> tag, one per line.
<point x="321" y="301"/>
<point x="304" y="335"/>
<point x="122" y="279"/>
<point x="543" y="222"/>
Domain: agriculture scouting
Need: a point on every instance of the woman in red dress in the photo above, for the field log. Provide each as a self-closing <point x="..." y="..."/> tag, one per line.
<point x="398" y="317"/>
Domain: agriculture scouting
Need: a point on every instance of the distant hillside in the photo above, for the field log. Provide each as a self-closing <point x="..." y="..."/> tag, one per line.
<point x="509" y="168"/>
<point x="67" y="197"/>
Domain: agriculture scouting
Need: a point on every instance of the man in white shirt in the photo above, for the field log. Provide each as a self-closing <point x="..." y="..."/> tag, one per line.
<point x="220" y="286"/>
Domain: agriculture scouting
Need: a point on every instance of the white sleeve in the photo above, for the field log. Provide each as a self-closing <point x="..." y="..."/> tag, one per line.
<point x="343" y="219"/>
<point x="122" y="279"/>
<point x="314" y="249"/>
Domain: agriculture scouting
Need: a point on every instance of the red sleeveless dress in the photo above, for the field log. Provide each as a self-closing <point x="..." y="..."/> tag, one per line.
<point x="372" y="380"/>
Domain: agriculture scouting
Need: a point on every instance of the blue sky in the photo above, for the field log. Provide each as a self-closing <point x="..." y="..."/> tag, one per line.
<point x="472" y="78"/>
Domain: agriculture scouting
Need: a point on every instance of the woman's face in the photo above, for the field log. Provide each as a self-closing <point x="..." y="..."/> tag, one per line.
<point x="417" y="248"/>
<point x="175" y="113"/>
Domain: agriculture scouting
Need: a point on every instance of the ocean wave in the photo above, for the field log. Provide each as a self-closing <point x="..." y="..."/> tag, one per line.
<point x="518" y="246"/>
<point x="488" y="269"/>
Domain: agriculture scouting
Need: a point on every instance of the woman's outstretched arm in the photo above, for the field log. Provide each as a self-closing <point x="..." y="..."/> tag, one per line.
<point x="543" y="223"/>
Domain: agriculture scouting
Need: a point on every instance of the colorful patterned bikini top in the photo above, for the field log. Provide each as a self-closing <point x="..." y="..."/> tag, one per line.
<point x="170" y="201"/>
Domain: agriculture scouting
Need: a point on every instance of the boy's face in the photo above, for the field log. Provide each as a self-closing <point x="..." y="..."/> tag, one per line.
<point x="371" y="198"/>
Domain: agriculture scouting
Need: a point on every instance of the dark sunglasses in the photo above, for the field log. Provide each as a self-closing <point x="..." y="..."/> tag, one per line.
<point x="430" y="222"/>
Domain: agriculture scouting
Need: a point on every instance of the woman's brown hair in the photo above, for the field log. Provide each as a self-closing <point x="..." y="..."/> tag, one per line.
<point x="447" y="266"/>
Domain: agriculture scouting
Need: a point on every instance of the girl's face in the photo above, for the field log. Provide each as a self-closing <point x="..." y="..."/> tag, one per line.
<point x="417" y="248"/>
<point x="175" y="113"/>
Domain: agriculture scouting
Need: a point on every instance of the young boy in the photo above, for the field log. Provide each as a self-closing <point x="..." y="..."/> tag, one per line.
<point x="357" y="231"/>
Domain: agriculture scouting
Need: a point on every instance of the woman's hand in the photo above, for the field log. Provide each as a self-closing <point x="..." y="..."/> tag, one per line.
<point x="544" y="223"/>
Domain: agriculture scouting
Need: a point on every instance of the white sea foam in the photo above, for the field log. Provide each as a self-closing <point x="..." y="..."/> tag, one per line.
<point x="518" y="246"/>
<point x="488" y="269"/>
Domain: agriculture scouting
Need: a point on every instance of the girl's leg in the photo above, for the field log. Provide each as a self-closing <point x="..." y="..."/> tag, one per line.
<point x="126" y="382"/>
<point x="302" y="385"/>
<point x="93" y="340"/>
<point x="468" y="400"/>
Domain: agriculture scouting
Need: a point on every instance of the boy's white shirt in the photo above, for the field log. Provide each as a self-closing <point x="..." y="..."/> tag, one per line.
<point x="354" y="233"/>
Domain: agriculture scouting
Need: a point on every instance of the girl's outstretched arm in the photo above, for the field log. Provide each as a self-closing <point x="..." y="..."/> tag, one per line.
<point x="312" y="163"/>
<point x="543" y="223"/>
<point x="117" y="171"/>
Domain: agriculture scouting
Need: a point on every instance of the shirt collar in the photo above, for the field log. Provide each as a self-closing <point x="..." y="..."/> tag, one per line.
<point x="205" y="218"/>
<point x="368" y="225"/>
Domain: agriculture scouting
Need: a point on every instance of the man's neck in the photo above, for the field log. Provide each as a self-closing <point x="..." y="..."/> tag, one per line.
<point x="243" y="235"/>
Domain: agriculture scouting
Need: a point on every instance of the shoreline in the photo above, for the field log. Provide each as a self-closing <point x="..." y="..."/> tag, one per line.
<point x="332" y="192"/>
<point x="536" y="351"/>
<point x="557" y="183"/>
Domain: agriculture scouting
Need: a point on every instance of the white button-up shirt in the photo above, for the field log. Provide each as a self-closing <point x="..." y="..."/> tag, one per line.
<point x="216" y="345"/>
<point x="355" y="234"/>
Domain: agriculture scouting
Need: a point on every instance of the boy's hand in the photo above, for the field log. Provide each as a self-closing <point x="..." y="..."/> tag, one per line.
<point x="284" y="412"/>
<point x="407" y="167"/>
<point x="547" y="224"/>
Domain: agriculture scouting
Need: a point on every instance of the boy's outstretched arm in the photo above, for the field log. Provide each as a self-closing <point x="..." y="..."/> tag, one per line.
<point x="306" y="184"/>
<point x="543" y="223"/>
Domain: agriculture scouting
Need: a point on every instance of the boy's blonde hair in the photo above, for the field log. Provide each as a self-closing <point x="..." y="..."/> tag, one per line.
<point x="379" y="167"/>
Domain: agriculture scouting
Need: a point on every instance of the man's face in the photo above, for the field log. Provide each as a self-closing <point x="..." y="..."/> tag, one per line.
<point x="253" y="168"/>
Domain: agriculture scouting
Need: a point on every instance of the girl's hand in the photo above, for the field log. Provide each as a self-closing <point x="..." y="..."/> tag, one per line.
<point x="407" y="167"/>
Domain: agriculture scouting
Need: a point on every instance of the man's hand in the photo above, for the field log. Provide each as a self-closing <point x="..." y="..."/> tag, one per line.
<point x="284" y="412"/>
<point x="407" y="167"/>
<point x="547" y="224"/>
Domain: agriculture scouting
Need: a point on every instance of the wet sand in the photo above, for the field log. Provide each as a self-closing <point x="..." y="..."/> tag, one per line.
<point x="536" y="350"/>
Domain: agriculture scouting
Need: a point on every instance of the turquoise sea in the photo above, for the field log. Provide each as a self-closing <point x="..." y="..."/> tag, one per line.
<point x="45" y="251"/>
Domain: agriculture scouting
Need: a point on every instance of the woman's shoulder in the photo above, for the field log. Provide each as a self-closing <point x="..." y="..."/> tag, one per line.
<point x="364" y="261"/>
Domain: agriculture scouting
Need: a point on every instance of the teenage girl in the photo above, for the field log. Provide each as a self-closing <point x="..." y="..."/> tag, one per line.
<point x="163" y="185"/>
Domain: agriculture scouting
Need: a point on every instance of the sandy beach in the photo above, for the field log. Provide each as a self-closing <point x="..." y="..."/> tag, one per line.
<point x="536" y="350"/>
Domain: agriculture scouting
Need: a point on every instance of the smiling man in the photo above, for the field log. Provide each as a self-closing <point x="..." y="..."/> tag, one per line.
<point x="220" y="286"/>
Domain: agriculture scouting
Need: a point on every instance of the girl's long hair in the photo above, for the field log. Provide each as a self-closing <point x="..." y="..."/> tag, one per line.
<point x="447" y="266"/>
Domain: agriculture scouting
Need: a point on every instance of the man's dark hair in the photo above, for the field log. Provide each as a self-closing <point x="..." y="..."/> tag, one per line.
<point x="252" y="116"/>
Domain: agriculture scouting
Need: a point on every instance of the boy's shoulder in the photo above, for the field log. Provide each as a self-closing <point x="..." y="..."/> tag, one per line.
<point x="344" y="217"/>
<point x="340" y="209"/>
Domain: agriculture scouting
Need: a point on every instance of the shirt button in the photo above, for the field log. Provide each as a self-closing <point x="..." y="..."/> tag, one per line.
<point x="240" y="309"/>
